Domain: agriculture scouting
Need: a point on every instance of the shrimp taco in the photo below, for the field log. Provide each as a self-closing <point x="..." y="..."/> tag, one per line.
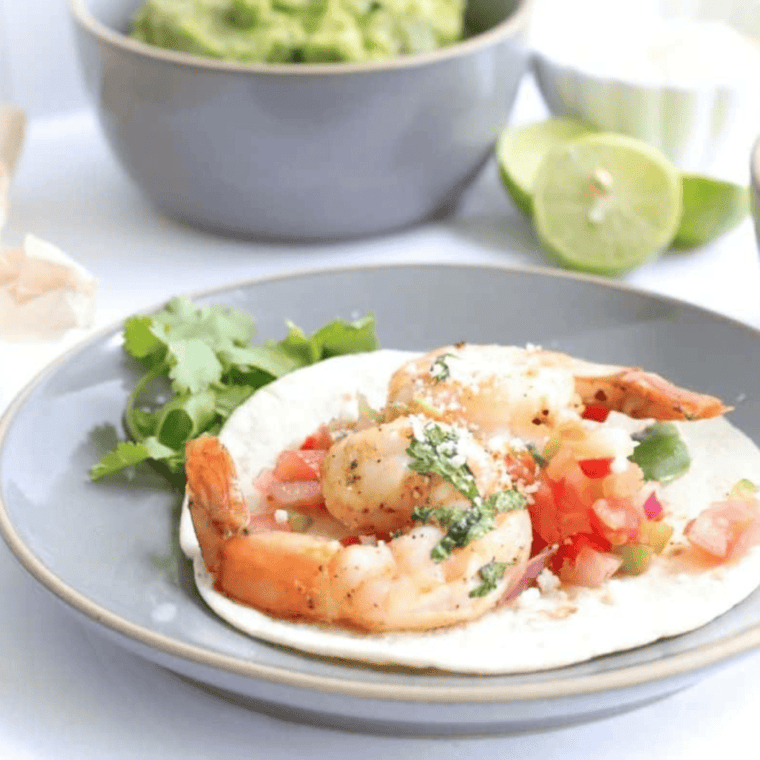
<point x="476" y="509"/>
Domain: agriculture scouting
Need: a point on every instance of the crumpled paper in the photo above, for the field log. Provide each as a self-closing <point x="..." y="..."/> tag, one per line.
<point x="43" y="292"/>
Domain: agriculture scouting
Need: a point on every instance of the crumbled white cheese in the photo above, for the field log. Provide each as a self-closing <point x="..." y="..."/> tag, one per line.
<point x="548" y="582"/>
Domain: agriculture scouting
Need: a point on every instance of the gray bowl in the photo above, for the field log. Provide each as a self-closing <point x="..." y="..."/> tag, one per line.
<point x="302" y="151"/>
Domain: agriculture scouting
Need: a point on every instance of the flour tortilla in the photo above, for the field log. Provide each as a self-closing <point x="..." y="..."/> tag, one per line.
<point x="543" y="629"/>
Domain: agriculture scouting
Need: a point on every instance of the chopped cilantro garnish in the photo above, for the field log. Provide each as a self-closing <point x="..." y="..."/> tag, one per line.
<point x="536" y="454"/>
<point x="467" y="525"/>
<point x="491" y="573"/>
<point x="439" y="369"/>
<point x="436" y="453"/>
<point x="506" y="501"/>
<point x="208" y="366"/>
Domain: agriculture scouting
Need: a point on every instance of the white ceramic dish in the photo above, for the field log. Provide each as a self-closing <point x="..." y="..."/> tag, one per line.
<point x="690" y="114"/>
<point x="109" y="550"/>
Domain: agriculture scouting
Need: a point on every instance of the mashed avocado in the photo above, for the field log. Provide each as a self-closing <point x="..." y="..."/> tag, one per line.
<point x="310" y="31"/>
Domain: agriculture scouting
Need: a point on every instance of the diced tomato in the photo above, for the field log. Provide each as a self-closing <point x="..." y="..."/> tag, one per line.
<point x="571" y="547"/>
<point x="304" y="494"/>
<point x="617" y="519"/>
<point x="263" y="482"/>
<point x="726" y="529"/>
<point x="561" y="464"/>
<point x="587" y="510"/>
<point x="595" y="468"/>
<point x="626" y="483"/>
<point x="521" y="466"/>
<point x="350" y="540"/>
<point x="264" y="522"/>
<point x="596" y="412"/>
<point x="297" y="465"/>
<point x="590" y="568"/>
<point x="558" y="512"/>
<point x="319" y="440"/>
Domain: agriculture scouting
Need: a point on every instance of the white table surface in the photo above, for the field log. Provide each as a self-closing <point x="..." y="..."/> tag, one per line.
<point x="66" y="694"/>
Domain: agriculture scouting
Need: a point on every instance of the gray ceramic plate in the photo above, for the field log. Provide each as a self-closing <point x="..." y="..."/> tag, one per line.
<point x="109" y="550"/>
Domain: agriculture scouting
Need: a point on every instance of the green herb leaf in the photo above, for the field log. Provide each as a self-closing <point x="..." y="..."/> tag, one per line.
<point x="491" y="573"/>
<point x="185" y="417"/>
<point x="334" y="339"/>
<point x="139" y="340"/>
<point x="128" y="455"/>
<point x="231" y="397"/>
<point x="506" y="501"/>
<point x="446" y="516"/>
<point x="439" y="369"/>
<point x="536" y="454"/>
<point x="661" y="452"/>
<point x="211" y="368"/>
<point x="467" y="525"/>
<point x="437" y="452"/>
<point x="194" y="365"/>
<point x="269" y="359"/>
<point x="338" y="337"/>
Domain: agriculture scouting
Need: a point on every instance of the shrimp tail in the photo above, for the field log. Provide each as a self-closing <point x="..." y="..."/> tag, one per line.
<point x="216" y="505"/>
<point x="640" y="394"/>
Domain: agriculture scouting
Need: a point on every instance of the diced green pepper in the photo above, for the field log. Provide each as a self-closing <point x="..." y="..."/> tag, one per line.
<point x="635" y="558"/>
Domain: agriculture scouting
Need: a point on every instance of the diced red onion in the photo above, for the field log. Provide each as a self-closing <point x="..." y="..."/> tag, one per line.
<point x="652" y="507"/>
<point x="531" y="570"/>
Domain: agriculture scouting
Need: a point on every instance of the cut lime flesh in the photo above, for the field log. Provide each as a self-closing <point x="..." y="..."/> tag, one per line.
<point x="520" y="151"/>
<point x="711" y="207"/>
<point x="606" y="203"/>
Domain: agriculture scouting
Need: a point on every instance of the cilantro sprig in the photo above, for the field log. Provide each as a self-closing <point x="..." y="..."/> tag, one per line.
<point x="206" y="365"/>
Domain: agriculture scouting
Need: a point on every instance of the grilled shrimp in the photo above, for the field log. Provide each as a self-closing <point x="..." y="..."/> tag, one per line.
<point x="399" y="584"/>
<point x="413" y="544"/>
<point x="527" y="392"/>
<point x="368" y="485"/>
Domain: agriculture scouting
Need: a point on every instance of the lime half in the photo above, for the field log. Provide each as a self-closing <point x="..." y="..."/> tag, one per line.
<point x="710" y="208"/>
<point x="520" y="151"/>
<point x="606" y="203"/>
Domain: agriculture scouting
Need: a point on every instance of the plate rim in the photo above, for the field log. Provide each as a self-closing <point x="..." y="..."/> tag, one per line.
<point x="682" y="664"/>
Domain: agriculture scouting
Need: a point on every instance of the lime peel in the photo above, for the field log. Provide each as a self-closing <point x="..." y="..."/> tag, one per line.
<point x="520" y="151"/>
<point x="711" y="207"/>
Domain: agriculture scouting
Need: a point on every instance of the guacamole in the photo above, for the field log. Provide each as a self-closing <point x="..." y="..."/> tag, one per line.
<point x="308" y="31"/>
